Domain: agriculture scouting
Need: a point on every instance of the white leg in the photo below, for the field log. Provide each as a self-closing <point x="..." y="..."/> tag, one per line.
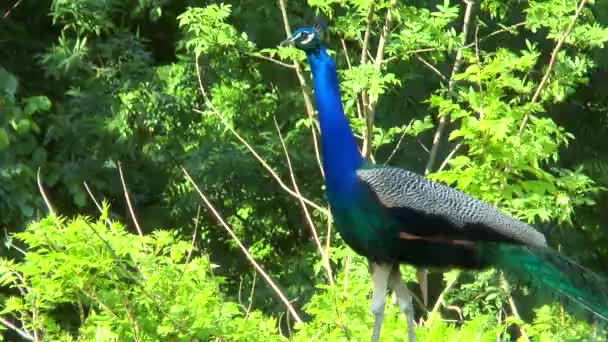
<point x="404" y="299"/>
<point x="380" y="275"/>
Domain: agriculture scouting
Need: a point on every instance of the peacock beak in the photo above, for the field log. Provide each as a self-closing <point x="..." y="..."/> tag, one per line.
<point x="287" y="42"/>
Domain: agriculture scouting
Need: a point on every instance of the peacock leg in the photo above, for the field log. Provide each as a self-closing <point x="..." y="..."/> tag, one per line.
<point x="404" y="299"/>
<point x="422" y="275"/>
<point x="380" y="275"/>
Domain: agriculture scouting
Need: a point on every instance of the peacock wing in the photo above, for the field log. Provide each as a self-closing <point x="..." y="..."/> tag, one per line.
<point x="429" y="209"/>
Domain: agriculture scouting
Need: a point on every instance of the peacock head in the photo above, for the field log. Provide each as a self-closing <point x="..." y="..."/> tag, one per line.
<point x="305" y="38"/>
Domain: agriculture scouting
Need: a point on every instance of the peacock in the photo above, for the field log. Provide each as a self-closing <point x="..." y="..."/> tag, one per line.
<point x="393" y="216"/>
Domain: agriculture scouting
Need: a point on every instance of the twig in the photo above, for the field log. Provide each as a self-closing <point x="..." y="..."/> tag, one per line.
<point x="255" y="277"/>
<point x="86" y="186"/>
<point x="43" y="193"/>
<point x="127" y="198"/>
<point x="275" y="61"/>
<point x="430" y="66"/>
<point x="260" y="270"/>
<point x="449" y="157"/>
<point x="310" y="111"/>
<point x="198" y="214"/>
<point x="398" y="144"/>
<point x="311" y="224"/>
<point x="554" y="53"/>
<point x="16" y="329"/>
<point x="12" y="8"/>
<point x="447" y="288"/>
<point x="250" y="148"/>
<point x="328" y="234"/>
<point x="504" y="29"/>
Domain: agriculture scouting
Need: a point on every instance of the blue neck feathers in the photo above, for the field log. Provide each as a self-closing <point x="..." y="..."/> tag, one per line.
<point x="341" y="157"/>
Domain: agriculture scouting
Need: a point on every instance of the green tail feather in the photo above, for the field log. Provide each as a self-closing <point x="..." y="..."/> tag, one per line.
<point x="548" y="270"/>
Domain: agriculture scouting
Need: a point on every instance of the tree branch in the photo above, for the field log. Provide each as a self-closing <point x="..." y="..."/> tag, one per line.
<point x="16" y="329"/>
<point x="128" y="199"/>
<point x="260" y="270"/>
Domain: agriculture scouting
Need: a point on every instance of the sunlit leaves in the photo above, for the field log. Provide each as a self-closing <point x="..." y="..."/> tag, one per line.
<point x="118" y="280"/>
<point x="207" y="29"/>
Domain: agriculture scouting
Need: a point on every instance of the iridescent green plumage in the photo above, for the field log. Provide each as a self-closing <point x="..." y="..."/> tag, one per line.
<point x="544" y="268"/>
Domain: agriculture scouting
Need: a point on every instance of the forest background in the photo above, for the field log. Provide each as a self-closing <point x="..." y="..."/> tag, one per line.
<point x="505" y="100"/>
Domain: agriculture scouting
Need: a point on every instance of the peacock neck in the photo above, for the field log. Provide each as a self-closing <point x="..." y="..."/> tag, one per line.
<point x="341" y="156"/>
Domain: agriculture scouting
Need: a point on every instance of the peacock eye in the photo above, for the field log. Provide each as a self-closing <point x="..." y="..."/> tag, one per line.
<point x="306" y="38"/>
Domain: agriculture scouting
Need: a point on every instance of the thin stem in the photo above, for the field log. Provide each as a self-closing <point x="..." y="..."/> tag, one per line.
<point x="43" y="193"/>
<point x="12" y="9"/>
<point x="447" y="288"/>
<point x="86" y="186"/>
<point x="430" y="66"/>
<point x="128" y="199"/>
<point x="311" y="224"/>
<point x="16" y="329"/>
<point x="449" y="157"/>
<point x="398" y="144"/>
<point x="275" y="61"/>
<point x="260" y="270"/>
<point x="255" y="277"/>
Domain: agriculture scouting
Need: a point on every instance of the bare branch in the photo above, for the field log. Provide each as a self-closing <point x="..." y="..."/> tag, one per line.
<point x="128" y="199"/>
<point x="43" y="193"/>
<point x="275" y="61"/>
<point x="255" y="277"/>
<point x="12" y="9"/>
<point x="196" y="222"/>
<point x="311" y="224"/>
<point x="447" y="289"/>
<point x="260" y="270"/>
<point x="398" y="144"/>
<point x="86" y="186"/>
<point x="16" y="329"/>
<point x="504" y="29"/>
<point x="449" y="157"/>
<point x="328" y="234"/>
<point x="430" y="66"/>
